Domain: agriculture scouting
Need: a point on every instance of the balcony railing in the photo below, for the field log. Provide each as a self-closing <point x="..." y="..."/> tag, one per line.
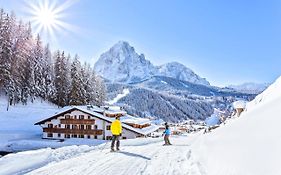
<point x="78" y="121"/>
<point x="73" y="131"/>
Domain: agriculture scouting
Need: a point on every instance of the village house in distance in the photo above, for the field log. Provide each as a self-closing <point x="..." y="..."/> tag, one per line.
<point x="93" y="122"/>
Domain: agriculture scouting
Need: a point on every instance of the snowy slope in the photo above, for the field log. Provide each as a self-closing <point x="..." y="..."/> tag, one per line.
<point x="119" y="96"/>
<point x="249" y="145"/>
<point x="122" y="64"/>
<point x="138" y="156"/>
<point x="18" y="122"/>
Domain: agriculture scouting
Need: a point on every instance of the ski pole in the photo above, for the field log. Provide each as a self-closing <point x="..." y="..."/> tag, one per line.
<point x="105" y="144"/>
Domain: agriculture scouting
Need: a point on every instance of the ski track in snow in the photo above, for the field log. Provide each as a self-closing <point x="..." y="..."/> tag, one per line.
<point x="149" y="159"/>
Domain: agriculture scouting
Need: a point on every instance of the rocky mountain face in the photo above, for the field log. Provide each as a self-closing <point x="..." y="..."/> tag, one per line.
<point x="122" y="64"/>
<point x="181" y="72"/>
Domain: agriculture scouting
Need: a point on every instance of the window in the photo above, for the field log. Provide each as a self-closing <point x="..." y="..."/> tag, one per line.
<point x="124" y="137"/>
<point x="89" y="117"/>
<point x="108" y="127"/>
<point x="74" y="136"/>
<point x="74" y="127"/>
<point x="50" y="135"/>
<point x="50" y="125"/>
<point x="67" y="126"/>
<point x="58" y="134"/>
<point x="96" y="126"/>
<point x="89" y="137"/>
<point x="81" y="136"/>
<point x="96" y="137"/>
<point x="81" y="126"/>
<point x="66" y="136"/>
<point x="81" y="117"/>
<point x="59" y="125"/>
<point x="75" y="117"/>
<point x="89" y="127"/>
<point x="67" y="116"/>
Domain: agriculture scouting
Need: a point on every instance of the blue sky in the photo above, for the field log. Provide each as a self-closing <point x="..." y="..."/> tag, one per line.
<point x="227" y="42"/>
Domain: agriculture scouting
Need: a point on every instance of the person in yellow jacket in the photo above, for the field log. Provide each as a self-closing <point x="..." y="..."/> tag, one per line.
<point x="116" y="130"/>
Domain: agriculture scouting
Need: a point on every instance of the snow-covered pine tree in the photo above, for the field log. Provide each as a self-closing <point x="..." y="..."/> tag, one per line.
<point x="77" y="92"/>
<point x="39" y="62"/>
<point x="6" y="57"/>
<point x="24" y="63"/>
<point x="88" y="85"/>
<point x="18" y="59"/>
<point x="49" y="89"/>
<point x="100" y="91"/>
<point x="68" y="80"/>
<point x="29" y="79"/>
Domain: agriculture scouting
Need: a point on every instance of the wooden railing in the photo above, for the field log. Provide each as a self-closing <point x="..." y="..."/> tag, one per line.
<point x="137" y="125"/>
<point x="78" y="121"/>
<point x="73" y="131"/>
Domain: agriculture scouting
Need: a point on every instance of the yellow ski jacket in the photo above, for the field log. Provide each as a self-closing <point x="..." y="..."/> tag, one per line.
<point x="116" y="127"/>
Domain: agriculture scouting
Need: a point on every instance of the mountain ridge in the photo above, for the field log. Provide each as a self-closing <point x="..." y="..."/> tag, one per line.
<point x="121" y="63"/>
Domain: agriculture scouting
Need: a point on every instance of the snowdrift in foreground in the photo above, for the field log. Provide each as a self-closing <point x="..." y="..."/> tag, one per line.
<point x="249" y="145"/>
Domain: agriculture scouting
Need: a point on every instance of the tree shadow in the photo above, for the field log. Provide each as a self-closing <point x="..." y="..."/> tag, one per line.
<point x="134" y="155"/>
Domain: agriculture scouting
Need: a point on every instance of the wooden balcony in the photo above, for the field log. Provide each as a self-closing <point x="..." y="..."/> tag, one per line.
<point x="73" y="131"/>
<point x="78" y="121"/>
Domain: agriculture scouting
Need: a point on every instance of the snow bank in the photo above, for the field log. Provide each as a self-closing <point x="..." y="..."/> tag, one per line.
<point x="248" y="145"/>
<point x="24" y="162"/>
<point x="269" y="94"/>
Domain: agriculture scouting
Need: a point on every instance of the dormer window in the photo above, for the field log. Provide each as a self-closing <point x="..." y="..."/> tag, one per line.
<point x="50" y="125"/>
<point x="81" y="117"/>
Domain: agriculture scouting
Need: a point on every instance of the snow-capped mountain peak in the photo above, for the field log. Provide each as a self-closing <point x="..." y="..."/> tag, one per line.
<point x="181" y="72"/>
<point x="121" y="63"/>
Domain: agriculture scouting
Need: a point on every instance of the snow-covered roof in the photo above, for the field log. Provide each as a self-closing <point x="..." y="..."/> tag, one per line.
<point x="113" y="110"/>
<point x="94" y="112"/>
<point x="239" y="104"/>
<point x="135" y="120"/>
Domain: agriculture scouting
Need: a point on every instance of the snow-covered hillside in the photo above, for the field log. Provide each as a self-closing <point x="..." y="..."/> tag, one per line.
<point x="18" y="123"/>
<point x="249" y="145"/>
<point x="171" y="99"/>
<point x="251" y="88"/>
<point x="122" y="64"/>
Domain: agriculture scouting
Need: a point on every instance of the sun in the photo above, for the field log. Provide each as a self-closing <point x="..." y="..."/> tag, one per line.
<point x="46" y="17"/>
<point x="49" y="18"/>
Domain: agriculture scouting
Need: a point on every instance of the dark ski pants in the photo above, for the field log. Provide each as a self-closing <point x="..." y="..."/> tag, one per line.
<point x="117" y="139"/>
<point x="167" y="140"/>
